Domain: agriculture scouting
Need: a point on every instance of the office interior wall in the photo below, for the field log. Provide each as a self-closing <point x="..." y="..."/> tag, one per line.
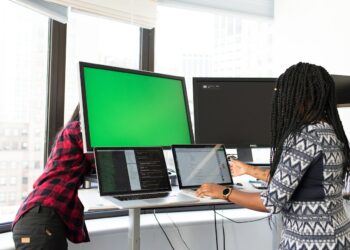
<point x="315" y="31"/>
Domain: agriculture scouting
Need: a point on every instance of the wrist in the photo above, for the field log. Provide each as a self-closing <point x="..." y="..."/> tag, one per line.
<point x="226" y="192"/>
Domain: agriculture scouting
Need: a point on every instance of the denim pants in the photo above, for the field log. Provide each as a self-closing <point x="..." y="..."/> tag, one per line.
<point x="40" y="229"/>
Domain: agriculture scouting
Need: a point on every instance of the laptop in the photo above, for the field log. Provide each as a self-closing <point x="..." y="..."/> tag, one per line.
<point x="201" y="163"/>
<point x="136" y="178"/>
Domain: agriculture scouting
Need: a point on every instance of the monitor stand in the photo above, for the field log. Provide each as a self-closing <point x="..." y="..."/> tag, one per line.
<point x="245" y="154"/>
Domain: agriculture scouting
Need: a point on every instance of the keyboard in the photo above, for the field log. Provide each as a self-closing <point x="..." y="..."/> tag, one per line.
<point x="141" y="196"/>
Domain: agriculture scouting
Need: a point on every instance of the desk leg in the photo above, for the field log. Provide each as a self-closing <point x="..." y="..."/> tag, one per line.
<point x="134" y="228"/>
<point x="276" y="231"/>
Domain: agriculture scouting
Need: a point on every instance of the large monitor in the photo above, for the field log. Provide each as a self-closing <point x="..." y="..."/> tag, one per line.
<point x="233" y="111"/>
<point x="129" y="108"/>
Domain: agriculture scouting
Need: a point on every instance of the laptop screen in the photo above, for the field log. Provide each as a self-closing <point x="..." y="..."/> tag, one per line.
<point x="131" y="170"/>
<point x="198" y="164"/>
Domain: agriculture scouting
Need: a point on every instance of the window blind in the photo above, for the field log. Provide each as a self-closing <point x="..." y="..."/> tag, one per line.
<point x="138" y="12"/>
<point x="52" y="10"/>
<point x="263" y="8"/>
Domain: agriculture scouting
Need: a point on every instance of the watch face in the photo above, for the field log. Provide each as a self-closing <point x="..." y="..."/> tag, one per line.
<point x="226" y="191"/>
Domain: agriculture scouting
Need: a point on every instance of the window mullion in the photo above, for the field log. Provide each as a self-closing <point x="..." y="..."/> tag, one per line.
<point x="147" y="49"/>
<point x="56" y="82"/>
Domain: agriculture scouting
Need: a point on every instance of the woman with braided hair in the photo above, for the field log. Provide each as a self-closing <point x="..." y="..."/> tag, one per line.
<point x="309" y="162"/>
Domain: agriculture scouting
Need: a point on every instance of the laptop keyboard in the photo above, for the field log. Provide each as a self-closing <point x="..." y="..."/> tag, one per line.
<point x="142" y="196"/>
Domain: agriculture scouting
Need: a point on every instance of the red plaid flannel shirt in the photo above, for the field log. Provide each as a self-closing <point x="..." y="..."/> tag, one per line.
<point x="58" y="186"/>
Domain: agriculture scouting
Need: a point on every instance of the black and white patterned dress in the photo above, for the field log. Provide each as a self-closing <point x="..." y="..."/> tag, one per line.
<point x="307" y="189"/>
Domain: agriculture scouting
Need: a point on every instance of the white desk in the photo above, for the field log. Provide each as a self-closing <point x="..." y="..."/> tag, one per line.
<point x="92" y="202"/>
<point x="134" y="213"/>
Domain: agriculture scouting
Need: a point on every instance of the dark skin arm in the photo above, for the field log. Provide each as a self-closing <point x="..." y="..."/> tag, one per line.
<point x="240" y="168"/>
<point x="244" y="199"/>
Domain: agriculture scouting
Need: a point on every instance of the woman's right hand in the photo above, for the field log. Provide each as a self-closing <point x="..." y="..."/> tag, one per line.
<point x="238" y="168"/>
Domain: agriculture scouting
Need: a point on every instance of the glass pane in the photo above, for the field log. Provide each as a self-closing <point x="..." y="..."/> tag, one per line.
<point x="23" y="81"/>
<point x="201" y="44"/>
<point x="97" y="40"/>
<point x="344" y="114"/>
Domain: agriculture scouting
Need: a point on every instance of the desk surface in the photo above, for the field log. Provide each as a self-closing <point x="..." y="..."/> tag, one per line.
<point x="92" y="200"/>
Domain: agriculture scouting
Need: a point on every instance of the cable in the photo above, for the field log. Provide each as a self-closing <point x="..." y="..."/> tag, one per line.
<point x="216" y="231"/>
<point x="154" y="213"/>
<point x="223" y="228"/>
<point x="178" y="230"/>
<point x="244" y="221"/>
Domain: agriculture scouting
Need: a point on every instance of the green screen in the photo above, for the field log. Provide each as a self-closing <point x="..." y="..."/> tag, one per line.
<point x="133" y="109"/>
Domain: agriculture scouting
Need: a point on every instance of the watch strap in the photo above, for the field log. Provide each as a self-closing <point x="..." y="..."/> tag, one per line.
<point x="227" y="192"/>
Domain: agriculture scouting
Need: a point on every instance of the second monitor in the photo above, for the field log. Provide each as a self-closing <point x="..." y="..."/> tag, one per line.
<point x="233" y="111"/>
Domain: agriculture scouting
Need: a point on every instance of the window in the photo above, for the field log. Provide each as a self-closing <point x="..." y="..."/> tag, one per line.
<point x="97" y="40"/>
<point x="24" y="145"/>
<point x="38" y="165"/>
<point x="25" y="180"/>
<point x="13" y="180"/>
<point x="224" y="45"/>
<point x="25" y="164"/>
<point x="37" y="147"/>
<point x="23" y="80"/>
<point x="12" y="197"/>
<point x="344" y="114"/>
<point x="2" y="197"/>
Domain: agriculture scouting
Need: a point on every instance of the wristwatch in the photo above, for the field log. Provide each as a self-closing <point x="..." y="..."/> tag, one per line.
<point x="226" y="192"/>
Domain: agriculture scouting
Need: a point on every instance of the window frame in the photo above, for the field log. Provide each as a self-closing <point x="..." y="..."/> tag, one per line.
<point x="55" y="83"/>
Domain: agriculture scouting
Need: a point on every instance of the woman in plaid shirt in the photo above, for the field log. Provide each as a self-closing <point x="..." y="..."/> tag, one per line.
<point x="52" y="212"/>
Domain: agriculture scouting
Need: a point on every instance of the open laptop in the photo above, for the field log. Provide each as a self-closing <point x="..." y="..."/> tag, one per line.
<point x="136" y="178"/>
<point x="197" y="164"/>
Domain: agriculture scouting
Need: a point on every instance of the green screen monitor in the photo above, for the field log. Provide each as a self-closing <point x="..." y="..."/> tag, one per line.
<point x="132" y="108"/>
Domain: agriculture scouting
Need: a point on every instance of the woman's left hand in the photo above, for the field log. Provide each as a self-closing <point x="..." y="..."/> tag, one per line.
<point x="211" y="190"/>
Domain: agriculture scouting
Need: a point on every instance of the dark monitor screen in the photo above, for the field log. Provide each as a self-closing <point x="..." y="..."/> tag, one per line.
<point x="132" y="108"/>
<point x="342" y="89"/>
<point x="124" y="171"/>
<point x="233" y="111"/>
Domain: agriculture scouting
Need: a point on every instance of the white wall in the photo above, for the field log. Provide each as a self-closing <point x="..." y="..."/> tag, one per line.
<point x="315" y="31"/>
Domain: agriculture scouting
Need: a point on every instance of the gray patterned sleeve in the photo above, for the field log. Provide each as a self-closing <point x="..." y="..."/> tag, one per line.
<point x="298" y="153"/>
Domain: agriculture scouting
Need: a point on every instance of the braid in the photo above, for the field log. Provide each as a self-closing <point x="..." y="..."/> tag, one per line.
<point x="304" y="94"/>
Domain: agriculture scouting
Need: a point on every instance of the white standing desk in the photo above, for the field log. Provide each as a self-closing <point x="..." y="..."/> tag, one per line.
<point x="92" y="204"/>
<point x="135" y="213"/>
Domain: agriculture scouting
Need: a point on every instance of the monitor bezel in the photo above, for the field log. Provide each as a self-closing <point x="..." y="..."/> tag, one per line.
<point x="83" y="103"/>
<point x="197" y="81"/>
